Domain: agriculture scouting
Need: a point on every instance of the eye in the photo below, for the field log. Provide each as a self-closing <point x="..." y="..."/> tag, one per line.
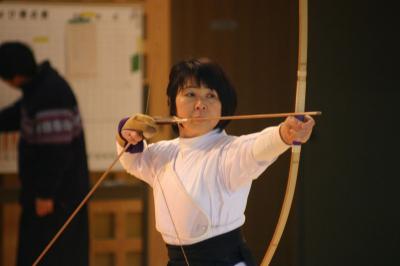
<point x="212" y="95"/>
<point x="189" y="94"/>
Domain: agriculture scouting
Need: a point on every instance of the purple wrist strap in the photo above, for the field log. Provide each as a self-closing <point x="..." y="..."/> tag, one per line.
<point x="301" y="118"/>
<point x="139" y="147"/>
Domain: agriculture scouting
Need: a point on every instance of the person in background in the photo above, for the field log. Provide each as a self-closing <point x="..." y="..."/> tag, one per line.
<point x="202" y="178"/>
<point x="52" y="161"/>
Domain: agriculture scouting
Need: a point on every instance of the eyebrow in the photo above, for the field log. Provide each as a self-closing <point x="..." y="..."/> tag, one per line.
<point x="191" y="86"/>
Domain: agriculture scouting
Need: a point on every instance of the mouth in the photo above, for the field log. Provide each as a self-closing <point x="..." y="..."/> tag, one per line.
<point x="198" y="118"/>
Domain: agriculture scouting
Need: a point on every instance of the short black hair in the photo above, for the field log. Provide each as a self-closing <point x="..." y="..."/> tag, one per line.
<point x="16" y="58"/>
<point x="204" y="72"/>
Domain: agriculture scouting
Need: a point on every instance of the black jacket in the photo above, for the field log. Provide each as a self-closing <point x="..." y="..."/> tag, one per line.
<point x="52" y="157"/>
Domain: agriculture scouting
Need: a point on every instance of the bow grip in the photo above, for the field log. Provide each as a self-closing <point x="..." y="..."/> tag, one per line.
<point x="300" y="118"/>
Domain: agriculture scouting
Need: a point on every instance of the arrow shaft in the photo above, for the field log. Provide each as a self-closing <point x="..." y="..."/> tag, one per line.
<point x="173" y="120"/>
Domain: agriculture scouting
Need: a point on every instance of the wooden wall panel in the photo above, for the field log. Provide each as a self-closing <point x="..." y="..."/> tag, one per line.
<point x="10" y="214"/>
<point x="158" y="50"/>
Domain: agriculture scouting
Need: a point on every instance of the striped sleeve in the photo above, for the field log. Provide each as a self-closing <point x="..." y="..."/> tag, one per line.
<point x="53" y="126"/>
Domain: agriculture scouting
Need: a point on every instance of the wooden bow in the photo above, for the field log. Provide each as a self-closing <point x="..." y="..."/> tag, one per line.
<point x="295" y="158"/>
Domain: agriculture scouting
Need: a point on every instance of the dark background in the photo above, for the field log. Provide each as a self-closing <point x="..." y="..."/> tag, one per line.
<point x="348" y="199"/>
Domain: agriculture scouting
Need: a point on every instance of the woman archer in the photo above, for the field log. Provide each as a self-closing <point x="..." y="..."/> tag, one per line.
<point x="201" y="179"/>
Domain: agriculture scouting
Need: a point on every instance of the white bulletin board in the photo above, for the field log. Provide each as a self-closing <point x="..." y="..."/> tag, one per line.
<point x="98" y="49"/>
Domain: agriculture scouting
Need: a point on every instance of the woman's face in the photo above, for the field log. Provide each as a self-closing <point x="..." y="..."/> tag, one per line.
<point x="194" y="101"/>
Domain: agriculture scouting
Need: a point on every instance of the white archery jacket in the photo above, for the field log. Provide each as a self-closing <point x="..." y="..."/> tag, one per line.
<point x="200" y="185"/>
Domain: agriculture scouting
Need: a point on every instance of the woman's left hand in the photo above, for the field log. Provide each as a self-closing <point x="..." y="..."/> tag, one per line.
<point x="44" y="207"/>
<point x="294" y="130"/>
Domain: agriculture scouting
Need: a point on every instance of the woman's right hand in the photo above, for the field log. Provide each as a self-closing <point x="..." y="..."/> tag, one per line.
<point x="131" y="136"/>
<point x="134" y="129"/>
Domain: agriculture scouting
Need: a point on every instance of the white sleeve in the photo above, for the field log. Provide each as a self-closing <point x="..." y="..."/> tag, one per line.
<point x="138" y="164"/>
<point x="269" y="145"/>
<point x="247" y="157"/>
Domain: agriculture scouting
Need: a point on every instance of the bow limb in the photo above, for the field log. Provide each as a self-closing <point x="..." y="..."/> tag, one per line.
<point x="296" y="149"/>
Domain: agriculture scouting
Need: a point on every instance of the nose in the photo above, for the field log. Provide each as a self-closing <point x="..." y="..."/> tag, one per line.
<point x="200" y="104"/>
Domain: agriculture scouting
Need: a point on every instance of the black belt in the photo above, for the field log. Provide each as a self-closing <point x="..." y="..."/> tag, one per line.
<point x="222" y="250"/>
